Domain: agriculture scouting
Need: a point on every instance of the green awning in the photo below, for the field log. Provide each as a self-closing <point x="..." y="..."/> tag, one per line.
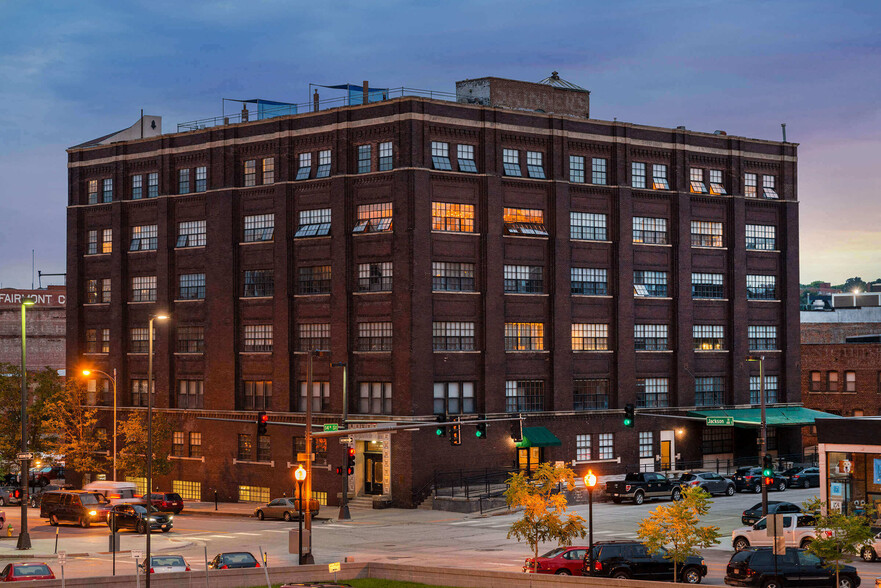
<point x="780" y="416"/>
<point x="538" y="437"/>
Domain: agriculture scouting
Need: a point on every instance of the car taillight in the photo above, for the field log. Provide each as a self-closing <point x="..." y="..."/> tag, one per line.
<point x="258" y="565"/>
<point x="748" y="477"/>
<point x="598" y="566"/>
<point x="695" y="483"/>
<point x="188" y="569"/>
<point x="223" y="567"/>
<point x="627" y="488"/>
<point x="796" y="476"/>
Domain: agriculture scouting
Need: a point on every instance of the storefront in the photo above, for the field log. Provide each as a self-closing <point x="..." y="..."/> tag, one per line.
<point x="850" y="464"/>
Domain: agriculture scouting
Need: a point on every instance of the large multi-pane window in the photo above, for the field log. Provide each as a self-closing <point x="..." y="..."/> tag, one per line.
<point x="452" y="276"/>
<point x="190" y="339"/>
<point x="523" y="279"/>
<point x="139" y="339"/>
<point x="652" y="392"/>
<point x="589" y="226"/>
<point x="385" y="156"/>
<point x="511" y="162"/>
<point x="535" y="165"/>
<point x="256" y="395"/>
<point x="105" y="290"/>
<point x="646" y="444"/>
<point x="606" y="446"/>
<point x="305" y="166"/>
<point x="313" y="336"/>
<point x="659" y="177"/>
<point x="190" y="394"/>
<point x="144" y="238"/>
<point x="750" y="184"/>
<point x="374" y="218"/>
<point x="582" y="448"/>
<point x="375" y="336"/>
<point x="453" y="336"/>
<point x="598" y="172"/>
<point x="144" y="289"/>
<point x="524" y="336"/>
<point x="258" y="283"/>
<point x="106" y="240"/>
<point x="264" y="448"/>
<point x="268" y="170"/>
<point x="524" y="395"/>
<point x="447" y="216"/>
<point x="257" y="338"/>
<point x="313" y="279"/>
<point x="440" y="156"/>
<point x="98" y="291"/>
<point x="707" y="286"/>
<point x="525" y="221"/>
<point x="706" y="234"/>
<point x="191" y="234"/>
<point x="91" y="340"/>
<point x="762" y="337"/>
<point x="245" y="453"/>
<point x="850" y="381"/>
<point x="139" y="392"/>
<point x="195" y="451"/>
<point x="761" y="237"/>
<point x="152" y="185"/>
<point x="637" y="175"/>
<point x="137" y="187"/>
<point x="313" y="223"/>
<point x="717" y="440"/>
<point x="696" y="183"/>
<point x="107" y="190"/>
<point x="590" y="337"/>
<point x="249" y="173"/>
<point x="91" y="242"/>
<point x="576" y="169"/>
<point x="716" y="186"/>
<point x="709" y="391"/>
<point x="768" y="187"/>
<point x="192" y="287"/>
<point x="375" y="277"/>
<point x="323" y="170"/>
<point x="201" y="179"/>
<point x="454" y="397"/>
<point x="590" y="394"/>
<point x="770" y="389"/>
<point x="91" y="291"/>
<point x="588" y="281"/>
<point x="320" y="396"/>
<point x="708" y="337"/>
<point x="650" y="337"/>
<point x="92" y="191"/>
<point x="650" y="283"/>
<point x="465" y="158"/>
<point x="259" y="227"/>
<point x="649" y="230"/>
<point x="183" y="181"/>
<point x="364" y="158"/>
<point x="761" y="287"/>
<point x="375" y="398"/>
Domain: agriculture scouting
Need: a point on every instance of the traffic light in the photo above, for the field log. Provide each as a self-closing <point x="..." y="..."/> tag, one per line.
<point x="767" y="466"/>
<point x="629" y="414"/>
<point x="480" y="433"/>
<point x="456" y="433"/>
<point x="350" y="461"/>
<point x="262" y="419"/>
<point x="339" y="470"/>
<point x="517" y="430"/>
<point x="441" y="429"/>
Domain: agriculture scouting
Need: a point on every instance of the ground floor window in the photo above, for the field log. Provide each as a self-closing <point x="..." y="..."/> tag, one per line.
<point x="187" y="490"/>
<point x="717" y="440"/>
<point x="253" y="494"/>
<point x="141" y="484"/>
<point x="321" y="497"/>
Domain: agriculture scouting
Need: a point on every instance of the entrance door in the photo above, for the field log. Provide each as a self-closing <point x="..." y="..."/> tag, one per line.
<point x="373" y="473"/>
<point x="528" y="458"/>
<point x="666" y="455"/>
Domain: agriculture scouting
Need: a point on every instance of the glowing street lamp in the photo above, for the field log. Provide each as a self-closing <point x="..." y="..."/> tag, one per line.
<point x="24" y="538"/>
<point x="113" y="379"/>
<point x="590" y="480"/>
<point x="300" y="476"/>
<point x="155" y="317"/>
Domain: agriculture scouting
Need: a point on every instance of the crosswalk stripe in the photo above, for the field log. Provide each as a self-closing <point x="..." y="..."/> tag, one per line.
<point x="253" y="534"/>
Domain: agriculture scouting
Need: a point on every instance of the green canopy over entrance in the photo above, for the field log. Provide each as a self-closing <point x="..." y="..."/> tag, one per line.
<point x="778" y="416"/>
<point x="538" y="437"/>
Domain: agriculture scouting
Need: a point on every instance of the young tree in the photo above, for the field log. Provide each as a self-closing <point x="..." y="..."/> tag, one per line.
<point x="673" y="528"/>
<point x="42" y="387"/>
<point x="131" y="458"/>
<point x="70" y="425"/>
<point x="544" y="509"/>
<point x="840" y="537"/>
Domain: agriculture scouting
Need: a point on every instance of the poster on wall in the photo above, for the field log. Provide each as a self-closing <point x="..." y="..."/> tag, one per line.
<point x="877" y="469"/>
<point x="836" y="489"/>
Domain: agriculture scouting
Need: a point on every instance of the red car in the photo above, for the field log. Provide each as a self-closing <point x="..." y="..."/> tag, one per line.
<point x="167" y="502"/>
<point x="565" y="561"/>
<point x="21" y="572"/>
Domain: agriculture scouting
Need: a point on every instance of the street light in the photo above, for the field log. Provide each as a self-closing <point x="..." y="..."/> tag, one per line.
<point x="764" y="440"/>
<point x="590" y="480"/>
<point x="309" y="396"/>
<point x="113" y="378"/>
<point x="24" y="539"/>
<point x="300" y="475"/>
<point x="344" y="497"/>
<point x="156" y="317"/>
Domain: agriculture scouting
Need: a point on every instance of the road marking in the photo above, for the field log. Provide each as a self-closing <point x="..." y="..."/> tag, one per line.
<point x="221" y="536"/>
<point x="276" y="531"/>
<point x="243" y="533"/>
<point x="471" y="522"/>
<point x="333" y="526"/>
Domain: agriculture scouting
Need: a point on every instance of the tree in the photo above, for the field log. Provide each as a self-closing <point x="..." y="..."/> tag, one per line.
<point x="673" y="530"/>
<point x="839" y="536"/>
<point x="42" y="386"/>
<point x="70" y="424"/>
<point x="852" y="284"/>
<point x="131" y="458"/>
<point x="544" y="509"/>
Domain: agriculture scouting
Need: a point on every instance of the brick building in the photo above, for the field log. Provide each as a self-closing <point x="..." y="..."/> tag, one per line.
<point x="497" y="254"/>
<point x="46" y="325"/>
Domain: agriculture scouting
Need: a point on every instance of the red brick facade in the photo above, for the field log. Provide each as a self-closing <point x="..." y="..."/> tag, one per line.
<point x="46" y="324"/>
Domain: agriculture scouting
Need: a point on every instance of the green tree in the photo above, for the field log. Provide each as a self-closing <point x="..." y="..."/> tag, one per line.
<point x="42" y="386"/>
<point x="544" y="508"/>
<point x="839" y="536"/>
<point x="673" y="529"/>
<point x="852" y="284"/>
<point x="70" y="425"/>
<point x="133" y="430"/>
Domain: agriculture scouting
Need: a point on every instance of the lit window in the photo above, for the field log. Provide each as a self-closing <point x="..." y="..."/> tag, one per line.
<point x="761" y="287"/>
<point x="465" y="158"/>
<point x="706" y="234"/>
<point x="598" y="171"/>
<point x="707" y="286"/>
<point x="364" y="157"/>
<point x="534" y="165"/>
<point x="525" y="222"/>
<point x="659" y="177"/>
<point x="761" y="237"/>
<point x="716" y="185"/>
<point x="637" y="175"/>
<point x="750" y="184"/>
<point x="385" y="156"/>
<point x="708" y="337"/>
<point x="373" y="218"/>
<point x="589" y="281"/>
<point x="314" y="223"/>
<point x="524" y="336"/>
<point x="652" y="231"/>
<point x="590" y="337"/>
<point x="106" y="240"/>
<point x="183" y="181"/>
<point x="440" y="156"/>
<point x="652" y="392"/>
<point x="511" y="162"/>
<point x="576" y="169"/>
<point x="91" y="291"/>
<point x="650" y="283"/>
<point x="768" y="189"/>
<point x="323" y="170"/>
<point x="259" y="227"/>
<point x="650" y="337"/>
<point x="268" y="170"/>
<point x="446" y="216"/>
<point x="201" y="179"/>
<point x="587" y="226"/>
<point x="305" y="167"/>
<point x="250" y="173"/>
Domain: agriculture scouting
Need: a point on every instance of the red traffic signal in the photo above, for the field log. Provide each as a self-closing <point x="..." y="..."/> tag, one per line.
<point x="769" y="481"/>
<point x="262" y="420"/>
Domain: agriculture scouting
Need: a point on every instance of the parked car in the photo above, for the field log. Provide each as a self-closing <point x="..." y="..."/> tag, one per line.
<point x="285" y="508"/>
<point x="563" y="561"/>
<point x="638" y="486"/>
<point x="35" y="496"/>
<point x="46" y="475"/>
<point x="117" y="492"/>
<point x="10" y="495"/>
<point x="757" y="567"/>
<point x="872" y="550"/>
<point x="233" y="559"/>
<point x="798" y="531"/>
<point x="751" y="480"/>
<point x="751" y="515"/>
<point x="802" y="477"/>
<point x="137" y="518"/>
<point x="631" y="559"/>
<point x="166" y="564"/>
<point x="709" y="481"/>
<point x="79" y="506"/>
<point x="18" y="572"/>
<point x="167" y="501"/>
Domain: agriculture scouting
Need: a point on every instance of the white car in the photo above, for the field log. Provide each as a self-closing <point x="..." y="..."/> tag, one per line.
<point x="872" y="551"/>
<point x="798" y="531"/>
<point x="166" y="564"/>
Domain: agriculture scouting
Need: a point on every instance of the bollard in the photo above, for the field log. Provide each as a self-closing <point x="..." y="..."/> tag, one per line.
<point x="215" y="500"/>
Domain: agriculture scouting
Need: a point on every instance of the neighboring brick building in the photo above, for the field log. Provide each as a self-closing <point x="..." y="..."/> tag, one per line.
<point x="480" y="256"/>
<point x="46" y="325"/>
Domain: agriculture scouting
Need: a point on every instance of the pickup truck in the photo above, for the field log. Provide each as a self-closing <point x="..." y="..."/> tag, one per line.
<point x="798" y="531"/>
<point x="641" y="485"/>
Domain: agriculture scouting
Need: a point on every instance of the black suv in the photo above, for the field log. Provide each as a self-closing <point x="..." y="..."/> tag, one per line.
<point x="136" y="517"/>
<point x="751" y="480"/>
<point x="79" y="506"/>
<point x="755" y="566"/>
<point x="631" y="559"/>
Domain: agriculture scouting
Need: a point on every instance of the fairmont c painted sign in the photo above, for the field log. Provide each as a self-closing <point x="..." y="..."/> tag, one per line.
<point x="12" y="298"/>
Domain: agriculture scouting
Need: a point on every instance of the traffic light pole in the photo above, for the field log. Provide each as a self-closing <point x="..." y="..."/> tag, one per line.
<point x="763" y="441"/>
<point x="344" y="514"/>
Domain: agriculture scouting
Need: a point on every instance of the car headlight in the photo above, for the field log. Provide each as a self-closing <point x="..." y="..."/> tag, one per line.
<point x="170" y="518"/>
<point x="93" y="513"/>
<point x="151" y="519"/>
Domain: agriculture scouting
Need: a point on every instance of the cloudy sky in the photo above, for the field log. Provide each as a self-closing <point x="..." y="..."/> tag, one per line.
<point x="72" y="71"/>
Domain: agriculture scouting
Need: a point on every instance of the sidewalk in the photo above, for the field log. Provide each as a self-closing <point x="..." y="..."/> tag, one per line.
<point x="229" y="509"/>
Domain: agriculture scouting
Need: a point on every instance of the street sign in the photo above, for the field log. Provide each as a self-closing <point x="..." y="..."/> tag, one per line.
<point x="779" y="546"/>
<point x="720" y="421"/>
<point x="25" y="456"/>
<point x="137" y="553"/>
<point x="333" y="567"/>
<point x="62" y="557"/>
<point x="346" y="440"/>
<point x="774" y="525"/>
<point x="331" y="427"/>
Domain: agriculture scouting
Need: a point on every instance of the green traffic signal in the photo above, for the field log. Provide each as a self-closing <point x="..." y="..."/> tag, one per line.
<point x="628" y="422"/>
<point x="767" y="473"/>
<point x="478" y="433"/>
<point x="439" y="431"/>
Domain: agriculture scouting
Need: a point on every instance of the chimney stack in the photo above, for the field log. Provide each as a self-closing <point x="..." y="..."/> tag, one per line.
<point x="315" y="101"/>
<point x="366" y="93"/>
<point x="244" y="113"/>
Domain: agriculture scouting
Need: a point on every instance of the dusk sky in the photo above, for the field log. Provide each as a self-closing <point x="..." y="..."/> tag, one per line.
<point x="73" y="71"/>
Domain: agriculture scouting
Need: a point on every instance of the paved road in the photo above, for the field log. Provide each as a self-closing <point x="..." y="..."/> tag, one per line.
<point x="402" y="536"/>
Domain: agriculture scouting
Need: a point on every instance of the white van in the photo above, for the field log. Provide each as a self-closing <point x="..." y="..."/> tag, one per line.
<point x="116" y="492"/>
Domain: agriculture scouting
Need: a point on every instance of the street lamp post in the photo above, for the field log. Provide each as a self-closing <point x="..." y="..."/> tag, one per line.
<point x="590" y="480"/>
<point x="113" y="379"/>
<point x="157" y="317"/>
<point x="24" y="539"/>
<point x="300" y="475"/>
<point x="309" y="396"/>
<point x="764" y="432"/>
<point x="344" y="497"/>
